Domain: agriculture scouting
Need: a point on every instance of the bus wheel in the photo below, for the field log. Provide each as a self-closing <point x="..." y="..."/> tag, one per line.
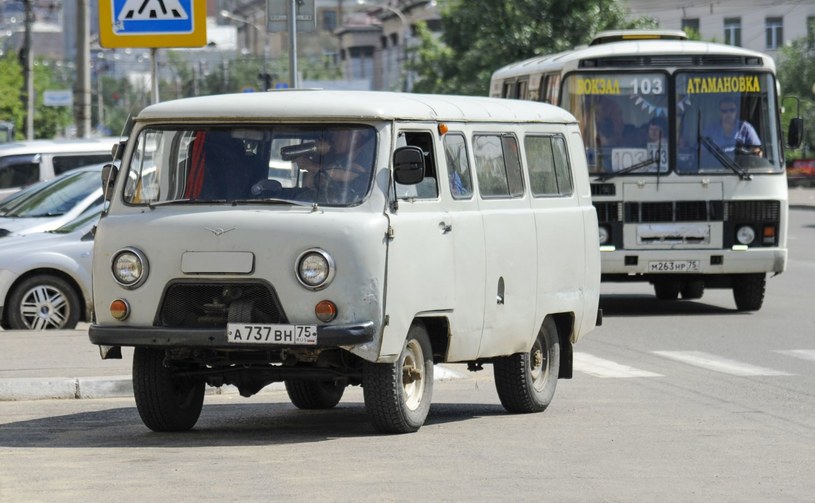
<point x="314" y="394"/>
<point x="748" y="291"/>
<point x="526" y="381"/>
<point x="165" y="401"/>
<point x="397" y="395"/>
<point x="693" y="289"/>
<point x="666" y="290"/>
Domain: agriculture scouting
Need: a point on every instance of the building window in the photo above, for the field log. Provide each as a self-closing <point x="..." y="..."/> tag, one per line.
<point x="329" y="20"/>
<point x="732" y="31"/>
<point x="775" y="32"/>
<point x="691" y="25"/>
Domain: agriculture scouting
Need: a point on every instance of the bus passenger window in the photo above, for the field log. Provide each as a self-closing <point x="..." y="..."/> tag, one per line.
<point x="458" y="166"/>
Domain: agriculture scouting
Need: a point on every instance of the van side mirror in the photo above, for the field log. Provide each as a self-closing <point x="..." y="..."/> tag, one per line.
<point x="109" y="172"/>
<point x="795" y="133"/>
<point x="408" y="165"/>
<point x="119" y="150"/>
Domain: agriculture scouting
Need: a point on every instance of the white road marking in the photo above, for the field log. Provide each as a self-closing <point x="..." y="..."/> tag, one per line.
<point x="719" y="364"/>
<point x="804" y="354"/>
<point x="598" y="367"/>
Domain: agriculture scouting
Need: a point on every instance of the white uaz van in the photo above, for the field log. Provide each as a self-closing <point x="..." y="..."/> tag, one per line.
<point x="327" y="239"/>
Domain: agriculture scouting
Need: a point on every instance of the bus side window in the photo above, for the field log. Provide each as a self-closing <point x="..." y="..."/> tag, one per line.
<point x="428" y="188"/>
<point x="458" y="166"/>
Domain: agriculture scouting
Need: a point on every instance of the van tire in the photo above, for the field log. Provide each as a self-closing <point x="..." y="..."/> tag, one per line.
<point x="43" y="295"/>
<point x="165" y="401"/>
<point x="395" y="403"/>
<point x="312" y="395"/>
<point x="526" y="382"/>
<point x="748" y="291"/>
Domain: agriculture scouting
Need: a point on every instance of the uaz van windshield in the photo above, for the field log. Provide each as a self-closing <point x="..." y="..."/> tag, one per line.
<point x="326" y="165"/>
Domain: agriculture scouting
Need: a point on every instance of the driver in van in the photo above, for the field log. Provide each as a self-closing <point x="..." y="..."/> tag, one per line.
<point x="730" y="132"/>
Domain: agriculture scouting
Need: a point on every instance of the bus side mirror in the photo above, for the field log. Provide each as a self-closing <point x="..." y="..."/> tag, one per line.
<point x="408" y="165"/>
<point x="109" y="172"/>
<point x="795" y="133"/>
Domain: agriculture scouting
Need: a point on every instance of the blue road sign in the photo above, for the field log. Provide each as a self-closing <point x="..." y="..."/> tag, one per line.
<point x="152" y="23"/>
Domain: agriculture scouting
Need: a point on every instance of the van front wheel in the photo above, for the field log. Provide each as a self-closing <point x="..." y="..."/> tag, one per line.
<point x="526" y="381"/>
<point x="397" y="395"/>
<point x="165" y="401"/>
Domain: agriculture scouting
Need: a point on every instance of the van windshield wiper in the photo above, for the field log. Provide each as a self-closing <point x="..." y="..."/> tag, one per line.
<point x="724" y="159"/>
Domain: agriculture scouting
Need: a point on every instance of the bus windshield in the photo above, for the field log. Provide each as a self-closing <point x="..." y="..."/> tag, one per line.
<point x="624" y="119"/>
<point x="718" y="122"/>
<point x="726" y="123"/>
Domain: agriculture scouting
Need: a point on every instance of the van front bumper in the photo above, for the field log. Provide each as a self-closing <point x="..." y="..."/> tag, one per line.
<point x="327" y="336"/>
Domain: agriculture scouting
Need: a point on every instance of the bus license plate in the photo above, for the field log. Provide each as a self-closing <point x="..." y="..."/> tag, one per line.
<point x="252" y="333"/>
<point x="674" y="266"/>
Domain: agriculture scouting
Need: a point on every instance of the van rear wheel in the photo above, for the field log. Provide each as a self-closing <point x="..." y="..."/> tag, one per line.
<point x="526" y="381"/>
<point x="311" y="395"/>
<point x="165" y="401"/>
<point x="397" y="395"/>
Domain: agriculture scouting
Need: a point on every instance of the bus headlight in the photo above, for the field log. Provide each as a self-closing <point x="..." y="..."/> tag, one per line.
<point x="745" y="235"/>
<point x="315" y="269"/>
<point x="605" y="235"/>
<point x="129" y="267"/>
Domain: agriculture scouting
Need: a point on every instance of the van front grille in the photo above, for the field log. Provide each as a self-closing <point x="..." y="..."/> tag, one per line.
<point x="210" y="305"/>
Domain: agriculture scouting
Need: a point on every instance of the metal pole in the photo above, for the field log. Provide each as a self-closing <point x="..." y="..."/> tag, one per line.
<point x="293" y="44"/>
<point x="82" y="92"/>
<point x="29" y="77"/>
<point x="154" y="72"/>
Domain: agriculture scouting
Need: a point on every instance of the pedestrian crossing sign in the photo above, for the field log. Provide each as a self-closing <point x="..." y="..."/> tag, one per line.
<point x="152" y="23"/>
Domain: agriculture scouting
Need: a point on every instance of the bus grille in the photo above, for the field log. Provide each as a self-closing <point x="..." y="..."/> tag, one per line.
<point x="753" y="211"/>
<point x="673" y="211"/>
<point x="607" y="212"/>
<point x="211" y="305"/>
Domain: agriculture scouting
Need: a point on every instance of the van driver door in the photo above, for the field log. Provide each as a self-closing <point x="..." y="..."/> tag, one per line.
<point x="420" y="269"/>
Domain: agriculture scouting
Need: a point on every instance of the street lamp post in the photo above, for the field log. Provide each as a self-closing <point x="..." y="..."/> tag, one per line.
<point x="265" y="34"/>
<point x="405" y="36"/>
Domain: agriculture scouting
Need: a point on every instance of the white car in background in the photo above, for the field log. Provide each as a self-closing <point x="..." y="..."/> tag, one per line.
<point x="50" y="204"/>
<point x="45" y="278"/>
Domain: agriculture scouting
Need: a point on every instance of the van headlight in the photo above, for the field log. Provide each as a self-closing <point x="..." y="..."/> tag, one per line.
<point x="315" y="269"/>
<point x="129" y="267"/>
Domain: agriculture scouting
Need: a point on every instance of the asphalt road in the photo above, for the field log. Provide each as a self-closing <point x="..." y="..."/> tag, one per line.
<point x="671" y="401"/>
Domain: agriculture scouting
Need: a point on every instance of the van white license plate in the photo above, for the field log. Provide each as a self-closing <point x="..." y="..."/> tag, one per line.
<point x="250" y="333"/>
<point x="674" y="266"/>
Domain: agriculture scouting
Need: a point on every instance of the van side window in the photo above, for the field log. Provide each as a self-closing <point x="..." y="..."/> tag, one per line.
<point x="63" y="163"/>
<point x="458" y="166"/>
<point x="428" y="188"/>
<point x="549" y="170"/>
<point x="498" y="166"/>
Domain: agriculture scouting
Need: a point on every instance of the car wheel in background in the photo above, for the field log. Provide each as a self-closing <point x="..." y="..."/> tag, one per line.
<point x="43" y="302"/>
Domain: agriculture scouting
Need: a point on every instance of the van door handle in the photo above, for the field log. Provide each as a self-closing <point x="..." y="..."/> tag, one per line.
<point x="445" y="227"/>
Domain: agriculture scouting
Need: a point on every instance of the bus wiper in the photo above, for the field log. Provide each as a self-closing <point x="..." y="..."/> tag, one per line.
<point x="723" y="159"/>
<point x="629" y="169"/>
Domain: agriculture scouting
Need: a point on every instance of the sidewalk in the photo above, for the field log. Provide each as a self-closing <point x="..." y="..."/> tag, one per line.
<point x="802" y="198"/>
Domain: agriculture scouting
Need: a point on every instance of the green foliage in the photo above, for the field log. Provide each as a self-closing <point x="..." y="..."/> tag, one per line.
<point x="12" y="109"/>
<point x="476" y="41"/>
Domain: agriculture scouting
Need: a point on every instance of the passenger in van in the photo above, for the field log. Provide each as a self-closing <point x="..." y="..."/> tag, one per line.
<point x="730" y="133"/>
<point x="220" y="168"/>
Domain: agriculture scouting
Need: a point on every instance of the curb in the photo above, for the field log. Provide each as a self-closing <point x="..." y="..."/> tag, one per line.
<point x="47" y="388"/>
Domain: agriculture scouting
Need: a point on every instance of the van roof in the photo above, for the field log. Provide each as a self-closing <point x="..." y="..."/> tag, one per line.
<point x="65" y="146"/>
<point x="352" y="105"/>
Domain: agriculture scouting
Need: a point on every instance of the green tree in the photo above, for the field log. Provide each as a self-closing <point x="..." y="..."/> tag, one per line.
<point x="12" y="109"/>
<point x="480" y="36"/>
